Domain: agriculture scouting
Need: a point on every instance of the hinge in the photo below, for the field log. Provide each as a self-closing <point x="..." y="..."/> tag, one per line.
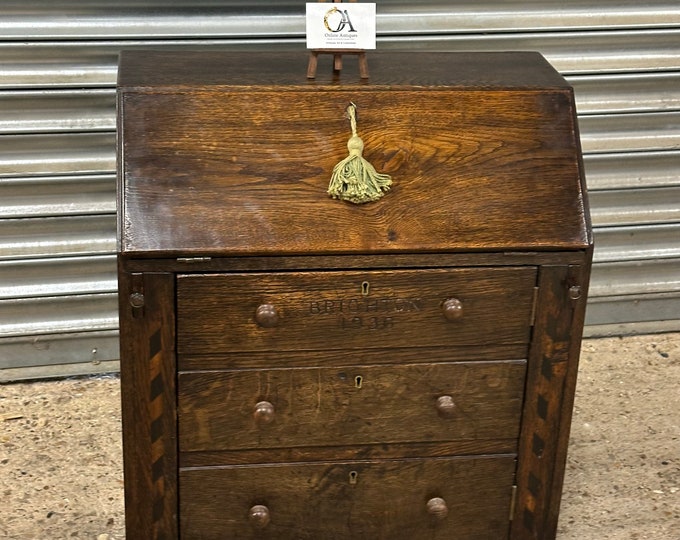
<point x="513" y="498"/>
<point x="533" y="307"/>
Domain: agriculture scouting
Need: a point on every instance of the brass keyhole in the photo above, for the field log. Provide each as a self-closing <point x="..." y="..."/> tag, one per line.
<point x="365" y="288"/>
<point x="353" y="475"/>
<point x="358" y="381"/>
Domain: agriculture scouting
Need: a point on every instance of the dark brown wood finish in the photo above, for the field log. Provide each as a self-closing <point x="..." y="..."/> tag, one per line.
<point x="350" y="357"/>
<point x="298" y="367"/>
<point x="148" y="404"/>
<point x="359" y="405"/>
<point x="350" y="310"/>
<point x="548" y="402"/>
<point x="421" y="449"/>
<point x="453" y="155"/>
<point x="255" y="182"/>
<point x="152" y="71"/>
<point x="358" y="500"/>
<point x="206" y="264"/>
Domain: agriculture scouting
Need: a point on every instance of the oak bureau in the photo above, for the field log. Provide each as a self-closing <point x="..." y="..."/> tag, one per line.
<point x="295" y="366"/>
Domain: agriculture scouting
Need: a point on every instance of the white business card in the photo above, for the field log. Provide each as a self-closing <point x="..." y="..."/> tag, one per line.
<point x="345" y="25"/>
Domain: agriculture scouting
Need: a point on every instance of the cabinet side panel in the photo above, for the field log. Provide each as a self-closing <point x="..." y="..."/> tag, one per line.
<point x="148" y="404"/>
<point x="551" y="377"/>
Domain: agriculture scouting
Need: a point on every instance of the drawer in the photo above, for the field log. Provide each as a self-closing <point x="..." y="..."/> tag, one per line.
<point x="340" y="310"/>
<point x="444" y="498"/>
<point x="357" y="405"/>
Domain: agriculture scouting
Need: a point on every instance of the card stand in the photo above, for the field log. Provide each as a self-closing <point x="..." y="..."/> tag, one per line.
<point x="337" y="61"/>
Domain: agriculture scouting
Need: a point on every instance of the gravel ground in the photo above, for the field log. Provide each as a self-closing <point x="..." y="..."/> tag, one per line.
<point x="61" y="466"/>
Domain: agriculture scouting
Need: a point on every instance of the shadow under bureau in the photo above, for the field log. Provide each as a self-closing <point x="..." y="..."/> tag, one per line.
<point x="295" y="366"/>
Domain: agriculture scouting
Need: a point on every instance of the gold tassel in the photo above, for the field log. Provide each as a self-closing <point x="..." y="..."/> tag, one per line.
<point x="354" y="179"/>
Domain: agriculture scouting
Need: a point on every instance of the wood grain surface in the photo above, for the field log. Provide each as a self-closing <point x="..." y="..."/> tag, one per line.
<point x="316" y="501"/>
<point x="227" y="171"/>
<point x="298" y="367"/>
<point x="350" y="405"/>
<point x="148" y="394"/>
<point x="351" y="357"/>
<point x="156" y="70"/>
<point x="327" y="310"/>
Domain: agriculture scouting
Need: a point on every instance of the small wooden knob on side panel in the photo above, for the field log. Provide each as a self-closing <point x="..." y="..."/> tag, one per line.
<point x="437" y="508"/>
<point x="259" y="516"/>
<point x="267" y="316"/>
<point x="137" y="300"/>
<point x="446" y="407"/>
<point x="263" y="412"/>
<point x="452" y="308"/>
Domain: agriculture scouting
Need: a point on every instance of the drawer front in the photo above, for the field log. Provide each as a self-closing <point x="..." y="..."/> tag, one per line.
<point x="282" y="408"/>
<point x="340" y="310"/>
<point x="445" y="498"/>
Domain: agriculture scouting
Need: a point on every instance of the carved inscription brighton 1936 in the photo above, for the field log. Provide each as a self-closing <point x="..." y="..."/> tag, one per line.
<point x="366" y="313"/>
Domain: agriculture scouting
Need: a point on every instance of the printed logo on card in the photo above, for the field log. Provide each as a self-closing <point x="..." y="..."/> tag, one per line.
<point x="343" y="26"/>
<point x="338" y="18"/>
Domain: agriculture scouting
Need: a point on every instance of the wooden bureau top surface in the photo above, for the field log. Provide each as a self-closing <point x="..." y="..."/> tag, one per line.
<point x="162" y="70"/>
<point x="225" y="154"/>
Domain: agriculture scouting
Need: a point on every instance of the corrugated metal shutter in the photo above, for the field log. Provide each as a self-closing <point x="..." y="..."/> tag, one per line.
<point x="57" y="151"/>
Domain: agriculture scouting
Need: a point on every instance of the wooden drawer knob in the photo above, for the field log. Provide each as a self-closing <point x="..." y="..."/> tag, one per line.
<point x="259" y="516"/>
<point x="267" y="316"/>
<point x="446" y="406"/>
<point x="263" y="412"/>
<point x="452" y="309"/>
<point x="437" y="508"/>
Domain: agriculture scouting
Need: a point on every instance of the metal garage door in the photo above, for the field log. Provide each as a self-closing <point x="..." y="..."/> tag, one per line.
<point x="57" y="145"/>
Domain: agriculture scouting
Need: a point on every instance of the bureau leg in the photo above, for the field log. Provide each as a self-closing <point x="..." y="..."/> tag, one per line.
<point x="148" y="404"/>
<point x="551" y="379"/>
